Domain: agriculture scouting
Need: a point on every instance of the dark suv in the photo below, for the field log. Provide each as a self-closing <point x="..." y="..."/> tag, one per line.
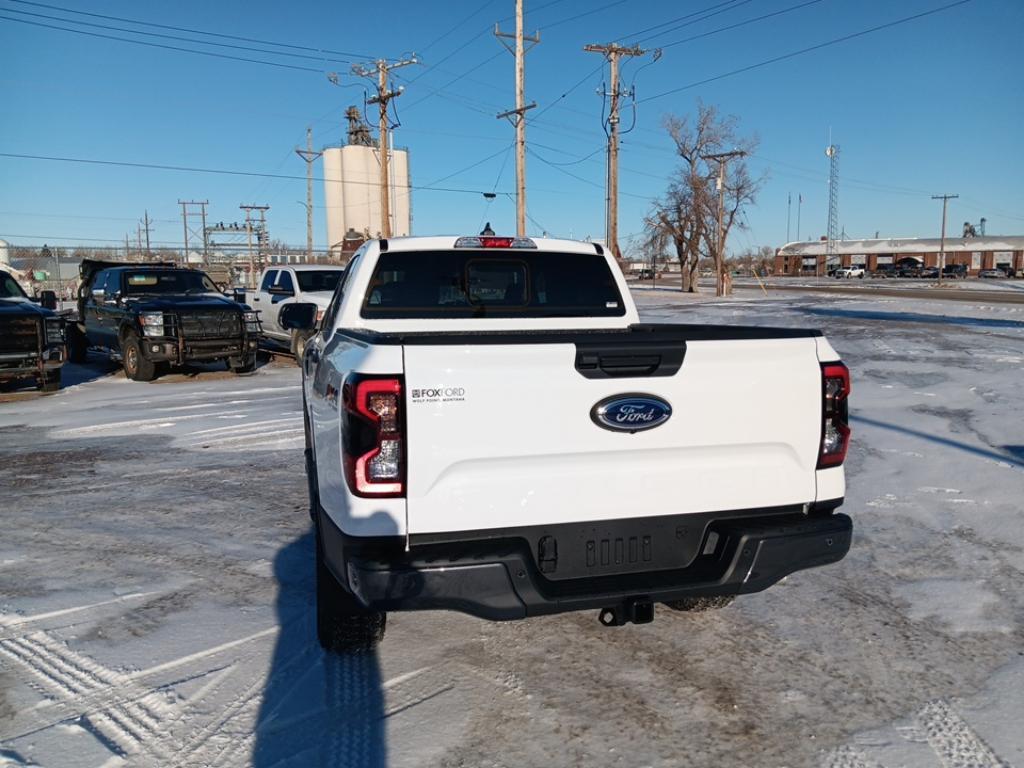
<point x="153" y="316"/>
<point x="31" y="338"/>
<point x="958" y="271"/>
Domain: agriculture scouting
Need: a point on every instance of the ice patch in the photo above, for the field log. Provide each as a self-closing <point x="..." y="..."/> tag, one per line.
<point x="965" y="606"/>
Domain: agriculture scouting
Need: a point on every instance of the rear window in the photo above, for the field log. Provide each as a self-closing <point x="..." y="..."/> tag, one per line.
<point x="311" y="281"/>
<point x="476" y="283"/>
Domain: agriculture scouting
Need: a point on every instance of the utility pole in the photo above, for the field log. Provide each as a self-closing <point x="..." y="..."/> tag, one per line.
<point x="613" y="52"/>
<point x="380" y="69"/>
<point x="942" y="243"/>
<point x="799" y="207"/>
<point x="722" y="158"/>
<point x="517" y="116"/>
<point x="146" y="229"/>
<point x="789" y="213"/>
<point x="255" y="260"/>
<point x="310" y="157"/>
<point x="190" y="232"/>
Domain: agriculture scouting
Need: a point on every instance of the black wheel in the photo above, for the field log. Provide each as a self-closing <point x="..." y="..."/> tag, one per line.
<point x="299" y="339"/>
<point x="136" y="366"/>
<point x="246" y="366"/>
<point x="50" y="381"/>
<point x="77" y="344"/>
<point x="343" y="626"/>
<point x="700" y="604"/>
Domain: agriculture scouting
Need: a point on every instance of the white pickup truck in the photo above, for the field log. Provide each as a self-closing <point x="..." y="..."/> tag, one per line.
<point x="285" y="284"/>
<point x="490" y="429"/>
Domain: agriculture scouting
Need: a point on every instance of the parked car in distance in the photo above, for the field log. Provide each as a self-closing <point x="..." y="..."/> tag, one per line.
<point x="285" y="284"/>
<point x="156" y="315"/>
<point x="884" y="271"/>
<point x="645" y="274"/>
<point x="31" y="336"/>
<point x="992" y="273"/>
<point x="909" y="271"/>
<point x="955" y="271"/>
<point x="849" y="272"/>
<point x="489" y="428"/>
<point x="929" y="273"/>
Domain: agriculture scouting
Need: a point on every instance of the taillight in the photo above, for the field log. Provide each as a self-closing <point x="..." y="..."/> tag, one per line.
<point x="491" y="241"/>
<point x="835" y="429"/>
<point x="374" y="449"/>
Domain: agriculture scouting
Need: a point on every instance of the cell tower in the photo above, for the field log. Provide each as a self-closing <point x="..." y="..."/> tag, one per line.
<point x="832" y="153"/>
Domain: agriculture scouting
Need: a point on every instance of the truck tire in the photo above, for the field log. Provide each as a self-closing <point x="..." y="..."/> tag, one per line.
<point x="299" y="339"/>
<point x="700" y="604"/>
<point x="136" y="366"/>
<point x="50" y="382"/>
<point x="77" y="344"/>
<point x="246" y="366"/>
<point x="343" y="626"/>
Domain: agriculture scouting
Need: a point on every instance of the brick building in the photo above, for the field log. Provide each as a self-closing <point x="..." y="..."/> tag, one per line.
<point x="977" y="253"/>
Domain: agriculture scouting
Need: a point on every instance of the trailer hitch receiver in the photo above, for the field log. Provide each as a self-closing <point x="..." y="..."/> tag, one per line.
<point x="637" y="611"/>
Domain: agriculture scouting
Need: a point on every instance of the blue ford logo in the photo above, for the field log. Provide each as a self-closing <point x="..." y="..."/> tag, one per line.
<point x="631" y="413"/>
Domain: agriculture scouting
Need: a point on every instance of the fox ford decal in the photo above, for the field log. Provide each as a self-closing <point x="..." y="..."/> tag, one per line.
<point x="630" y="412"/>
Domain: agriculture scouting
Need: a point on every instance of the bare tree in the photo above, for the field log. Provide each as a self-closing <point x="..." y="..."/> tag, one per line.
<point x="687" y="216"/>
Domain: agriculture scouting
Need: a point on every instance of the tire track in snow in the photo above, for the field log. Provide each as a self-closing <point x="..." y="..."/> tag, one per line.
<point x="953" y="740"/>
<point x="127" y="722"/>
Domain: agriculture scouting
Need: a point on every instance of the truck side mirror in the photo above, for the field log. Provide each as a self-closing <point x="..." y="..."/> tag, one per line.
<point x="300" y="316"/>
<point x="48" y="299"/>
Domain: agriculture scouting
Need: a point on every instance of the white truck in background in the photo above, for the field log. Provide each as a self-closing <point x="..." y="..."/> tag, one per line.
<point x="490" y="429"/>
<point x="284" y="284"/>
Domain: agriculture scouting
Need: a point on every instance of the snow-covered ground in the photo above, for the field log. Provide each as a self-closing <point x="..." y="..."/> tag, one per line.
<point x="156" y="585"/>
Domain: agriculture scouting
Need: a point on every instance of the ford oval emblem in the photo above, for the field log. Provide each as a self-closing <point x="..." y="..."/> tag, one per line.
<point x="631" y="412"/>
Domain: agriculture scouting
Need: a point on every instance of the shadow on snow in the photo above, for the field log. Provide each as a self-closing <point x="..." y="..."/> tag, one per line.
<point x="1014" y="453"/>
<point x="911" y="317"/>
<point x="318" y="709"/>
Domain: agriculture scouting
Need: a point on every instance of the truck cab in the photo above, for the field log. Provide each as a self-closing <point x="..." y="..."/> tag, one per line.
<point x="286" y="284"/>
<point x="154" y="316"/>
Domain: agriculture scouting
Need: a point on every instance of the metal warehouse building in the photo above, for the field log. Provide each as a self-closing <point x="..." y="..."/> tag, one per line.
<point x="977" y="253"/>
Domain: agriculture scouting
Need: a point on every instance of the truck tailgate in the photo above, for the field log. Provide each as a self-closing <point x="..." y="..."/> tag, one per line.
<point x="501" y="435"/>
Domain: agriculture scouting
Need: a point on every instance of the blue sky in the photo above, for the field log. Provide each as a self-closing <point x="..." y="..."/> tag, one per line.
<point x="934" y="105"/>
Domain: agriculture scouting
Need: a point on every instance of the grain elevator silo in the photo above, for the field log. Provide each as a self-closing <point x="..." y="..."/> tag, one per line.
<point x="352" y="186"/>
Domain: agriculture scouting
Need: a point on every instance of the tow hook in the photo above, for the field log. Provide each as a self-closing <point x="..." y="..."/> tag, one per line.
<point x="633" y="611"/>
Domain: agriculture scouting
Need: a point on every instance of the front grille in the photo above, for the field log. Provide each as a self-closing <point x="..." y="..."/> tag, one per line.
<point x="19" y="334"/>
<point x="210" y="325"/>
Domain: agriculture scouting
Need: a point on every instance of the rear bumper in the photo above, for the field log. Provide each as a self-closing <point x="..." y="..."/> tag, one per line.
<point x="508" y="577"/>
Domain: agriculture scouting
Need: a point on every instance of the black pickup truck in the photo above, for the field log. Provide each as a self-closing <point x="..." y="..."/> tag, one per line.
<point x="156" y="315"/>
<point x="31" y="338"/>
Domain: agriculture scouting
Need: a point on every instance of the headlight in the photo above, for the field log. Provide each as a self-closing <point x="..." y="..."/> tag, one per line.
<point x="252" y="321"/>
<point x="152" y="323"/>
<point x="55" y="331"/>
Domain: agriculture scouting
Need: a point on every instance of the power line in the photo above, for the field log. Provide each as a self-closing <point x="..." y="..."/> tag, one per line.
<point x="178" y="37"/>
<point x="190" y="31"/>
<point x="739" y="24"/>
<point x="579" y="178"/>
<point x="809" y="49"/>
<point x="162" y="45"/>
<point x="220" y="171"/>
<point x="690" y="15"/>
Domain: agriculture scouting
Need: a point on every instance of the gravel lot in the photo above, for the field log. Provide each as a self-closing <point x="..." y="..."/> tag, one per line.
<point x="156" y="582"/>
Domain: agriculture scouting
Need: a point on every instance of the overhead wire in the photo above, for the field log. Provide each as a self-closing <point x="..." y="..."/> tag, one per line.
<point x="179" y="38"/>
<point x="808" y="49"/>
<point x="191" y="31"/>
<point x="164" y="46"/>
<point x="218" y="171"/>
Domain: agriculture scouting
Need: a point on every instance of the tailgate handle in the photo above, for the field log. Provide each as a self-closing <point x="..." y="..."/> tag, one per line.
<point x="629" y="360"/>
